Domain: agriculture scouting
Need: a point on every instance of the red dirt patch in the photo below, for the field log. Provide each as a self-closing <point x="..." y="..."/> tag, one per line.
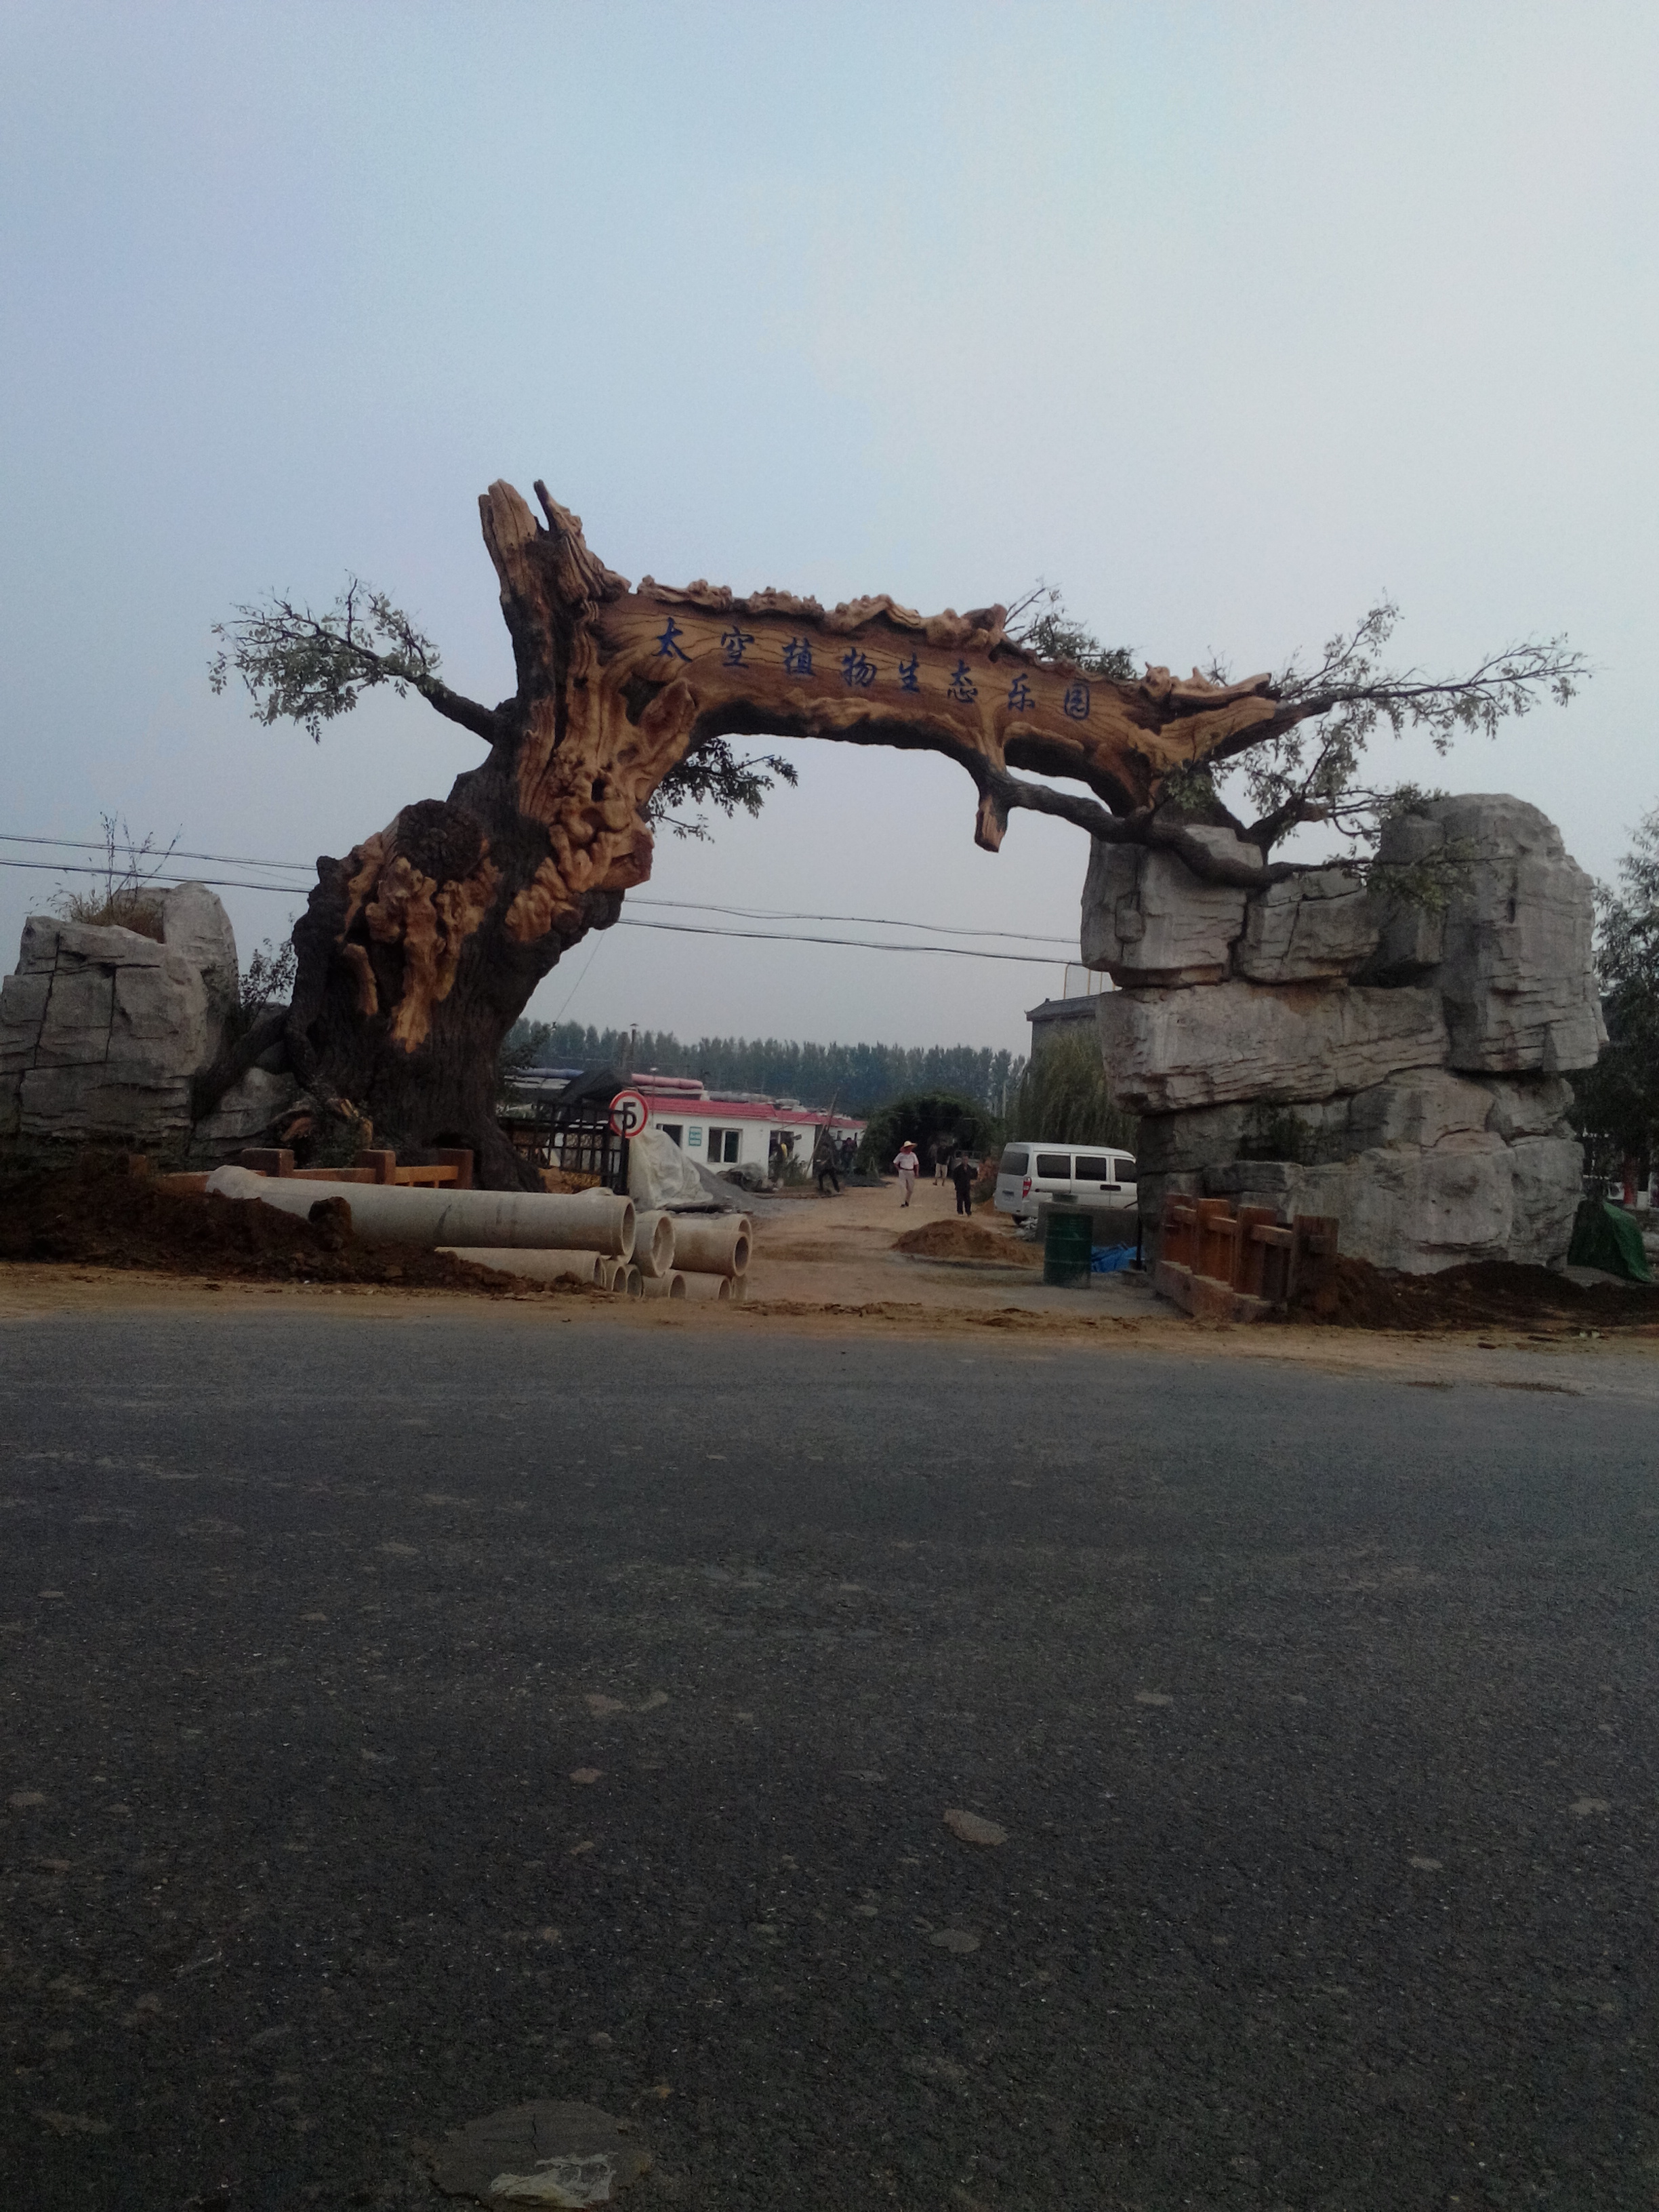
<point x="1487" y="1294"/>
<point x="956" y="1237"/>
<point x="94" y="1217"/>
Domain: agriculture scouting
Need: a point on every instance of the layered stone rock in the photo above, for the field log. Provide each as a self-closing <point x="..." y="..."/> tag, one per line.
<point x="1150" y="921"/>
<point x="195" y="924"/>
<point x="1401" y="1066"/>
<point x="1169" y="1051"/>
<point x="245" y="1115"/>
<point x="1516" y="954"/>
<point x="103" y="1030"/>
<point x="1309" y="929"/>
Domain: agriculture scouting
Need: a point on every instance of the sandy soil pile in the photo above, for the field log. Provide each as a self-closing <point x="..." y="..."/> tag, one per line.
<point x="956" y="1237"/>
<point x="1487" y="1294"/>
<point x="94" y="1216"/>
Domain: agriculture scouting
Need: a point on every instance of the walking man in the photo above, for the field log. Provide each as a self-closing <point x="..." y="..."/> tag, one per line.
<point x="908" y="1167"/>
<point x="824" y="1163"/>
<point x="963" y="1173"/>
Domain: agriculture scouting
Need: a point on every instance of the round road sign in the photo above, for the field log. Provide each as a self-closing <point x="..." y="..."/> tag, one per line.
<point x="629" y="1113"/>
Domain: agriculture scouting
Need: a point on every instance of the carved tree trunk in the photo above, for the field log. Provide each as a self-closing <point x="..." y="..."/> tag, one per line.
<point x="420" y="948"/>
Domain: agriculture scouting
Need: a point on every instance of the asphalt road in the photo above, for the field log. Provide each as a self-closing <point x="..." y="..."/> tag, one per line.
<point x="1319" y="1712"/>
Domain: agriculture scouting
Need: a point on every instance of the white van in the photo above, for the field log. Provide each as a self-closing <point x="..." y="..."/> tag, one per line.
<point x="1031" y="1172"/>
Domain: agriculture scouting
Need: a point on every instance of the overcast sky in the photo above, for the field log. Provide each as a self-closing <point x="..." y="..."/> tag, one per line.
<point x="1227" y="318"/>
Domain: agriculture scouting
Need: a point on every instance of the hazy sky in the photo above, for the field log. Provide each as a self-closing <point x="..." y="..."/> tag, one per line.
<point x="1227" y="318"/>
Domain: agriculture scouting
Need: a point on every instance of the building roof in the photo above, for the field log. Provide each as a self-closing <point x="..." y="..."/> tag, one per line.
<point x="744" y="1109"/>
<point x="1065" y="1010"/>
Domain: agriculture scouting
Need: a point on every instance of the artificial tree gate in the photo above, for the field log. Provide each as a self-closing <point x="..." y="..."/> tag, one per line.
<point x="421" y="946"/>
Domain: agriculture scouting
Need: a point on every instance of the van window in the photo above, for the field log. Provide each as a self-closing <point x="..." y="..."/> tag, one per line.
<point x="1013" y="1163"/>
<point x="1126" y="1171"/>
<point x="1094" y="1166"/>
<point x="1056" y="1166"/>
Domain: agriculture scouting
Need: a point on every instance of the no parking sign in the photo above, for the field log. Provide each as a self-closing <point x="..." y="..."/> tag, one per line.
<point x="629" y="1113"/>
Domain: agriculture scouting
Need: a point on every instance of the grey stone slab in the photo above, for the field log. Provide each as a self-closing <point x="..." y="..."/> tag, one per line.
<point x="1169" y="1051"/>
<point x="243" y="1115"/>
<point x="1422" y="1106"/>
<point x="195" y="924"/>
<point x="1148" y="919"/>
<point x="22" y="1009"/>
<point x="1308" y="929"/>
<point x="75" y="1022"/>
<point x="1417" y="1211"/>
<point x="1523" y="1106"/>
<point x="76" y="1104"/>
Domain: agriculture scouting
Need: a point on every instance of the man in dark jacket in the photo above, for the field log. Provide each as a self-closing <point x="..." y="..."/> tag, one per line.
<point x="963" y="1174"/>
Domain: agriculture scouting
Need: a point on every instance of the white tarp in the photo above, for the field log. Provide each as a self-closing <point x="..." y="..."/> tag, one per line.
<point x="660" y="1174"/>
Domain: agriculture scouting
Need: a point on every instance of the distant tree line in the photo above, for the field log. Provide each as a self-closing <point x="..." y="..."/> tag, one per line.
<point x="861" y="1078"/>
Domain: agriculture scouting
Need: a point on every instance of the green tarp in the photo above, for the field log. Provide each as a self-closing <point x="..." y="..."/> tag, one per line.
<point x="1604" y="1236"/>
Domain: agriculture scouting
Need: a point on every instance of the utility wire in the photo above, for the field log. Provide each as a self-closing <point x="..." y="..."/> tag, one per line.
<point x="683" y="906"/>
<point x="679" y="929"/>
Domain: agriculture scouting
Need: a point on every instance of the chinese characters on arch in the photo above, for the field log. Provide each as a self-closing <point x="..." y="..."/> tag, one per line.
<point x="859" y="672"/>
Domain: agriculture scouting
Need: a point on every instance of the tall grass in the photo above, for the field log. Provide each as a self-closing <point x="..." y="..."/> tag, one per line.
<point x="1062" y="1095"/>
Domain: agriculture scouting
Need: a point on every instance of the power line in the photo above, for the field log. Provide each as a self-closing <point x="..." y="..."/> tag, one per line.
<point x="156" y="882"/>
<point x="677" y="929"/>
<point x="864" y="944"/>
<point x="680" y="906"/>
<point x="172" y="853"/>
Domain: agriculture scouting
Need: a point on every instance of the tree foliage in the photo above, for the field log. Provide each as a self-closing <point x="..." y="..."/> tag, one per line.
<point x="927" y="1117"/>
<point x="860" y="1077"/>
<point x="307" y="668"/>
<point x="1313" y="769"/>
<point x="1041" y="623"/>
<point x="1617" y="1100"/>
<point x="1062" y="1095"/>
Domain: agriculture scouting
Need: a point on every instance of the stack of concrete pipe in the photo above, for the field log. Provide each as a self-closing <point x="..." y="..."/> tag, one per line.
<point x="592" y="1236"/>
<point x="450" y="1219"/>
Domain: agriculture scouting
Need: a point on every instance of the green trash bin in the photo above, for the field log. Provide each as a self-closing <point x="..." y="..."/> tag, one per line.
<point x="1066" y="1246"/>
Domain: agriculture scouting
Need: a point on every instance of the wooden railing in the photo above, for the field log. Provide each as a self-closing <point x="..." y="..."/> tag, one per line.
<point x="1250" y="1253"/>
<point x="451" y="1166"/>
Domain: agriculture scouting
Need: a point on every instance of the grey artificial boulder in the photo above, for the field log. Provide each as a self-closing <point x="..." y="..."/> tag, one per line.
<point x="1424" y="1107"/>
<point x="1416" y="1211"/>
<point x="1527" y="1106"/>
<point x="194" y="923"/>
<point x="1148" y="919"/>
<point x="1517" y="973"/>
<point x="102" y="1030"/>
<point x="244" y="1116"/>
<point x="1511" y="951"/>
<point x="1311" y="929"/>
<point x="1169" y="1051"/>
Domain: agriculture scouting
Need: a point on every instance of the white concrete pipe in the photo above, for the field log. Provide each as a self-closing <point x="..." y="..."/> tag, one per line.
<point x="537" y="1267"/>
<point x="706" y="1245"/>
<point x="670" y="1286"/>
<point x="710" y="1288"/>
<point x="631" y="1283"/>
<point x="406" y="1214"/>
<point x="654" y="1244"/>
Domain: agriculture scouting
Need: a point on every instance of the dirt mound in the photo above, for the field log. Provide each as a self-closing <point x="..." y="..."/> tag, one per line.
<point x="957" y="1237"/>
<point x="93" y="1216"/>
<point x="1486" y="1294"/>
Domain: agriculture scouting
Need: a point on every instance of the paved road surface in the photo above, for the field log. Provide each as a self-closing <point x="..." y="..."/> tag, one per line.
<point x="1319" y="1712"/>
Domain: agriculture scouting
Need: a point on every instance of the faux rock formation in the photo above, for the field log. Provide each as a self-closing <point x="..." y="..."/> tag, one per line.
<point x="1149" y="920"/>
<point x="1400" y="1066"/>
<point x="103" y="1032"/>
<point x="1169" y="1051"/>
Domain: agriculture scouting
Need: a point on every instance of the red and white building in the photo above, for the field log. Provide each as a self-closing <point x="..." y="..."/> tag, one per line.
<point x="737" y="1130"/>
